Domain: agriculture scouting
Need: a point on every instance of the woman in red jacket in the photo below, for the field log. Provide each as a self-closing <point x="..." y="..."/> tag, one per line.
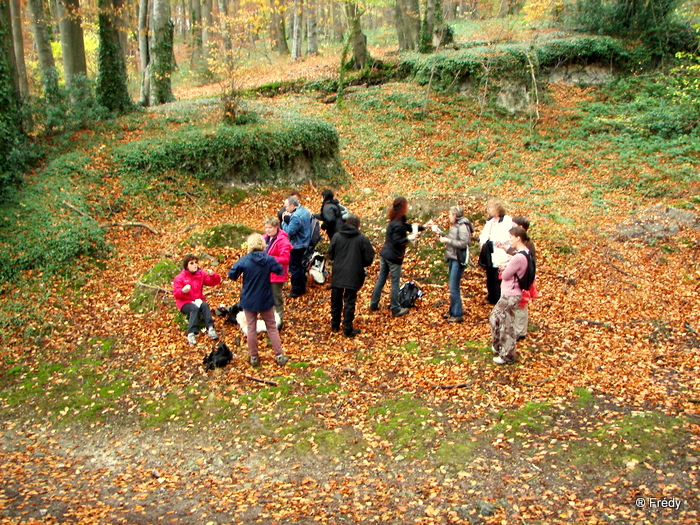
<point x="189" y="299"/>
<point x="277" y="244"/>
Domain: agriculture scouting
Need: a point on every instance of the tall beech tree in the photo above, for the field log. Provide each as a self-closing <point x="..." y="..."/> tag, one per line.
<point x="156" y="48"/>
<point x="18" y="42"/>
<point x="72" y="41"/>
<point x="111" y="90"/>
<point x="42" y="40"/>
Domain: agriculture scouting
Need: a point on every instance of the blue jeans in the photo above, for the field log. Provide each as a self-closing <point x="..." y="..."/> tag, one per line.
<point x="455" y="276"/>
<point x="386" y="268"/>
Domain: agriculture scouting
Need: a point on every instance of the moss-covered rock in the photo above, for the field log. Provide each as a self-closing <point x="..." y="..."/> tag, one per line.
<point x="220" y="236"/>
<point x="146" y="295"/>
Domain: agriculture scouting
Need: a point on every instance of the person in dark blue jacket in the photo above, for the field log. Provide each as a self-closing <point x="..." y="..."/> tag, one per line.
<point x="351" y="252"/>
<point x="398" y="232"/>
<point x="257" y="297"/>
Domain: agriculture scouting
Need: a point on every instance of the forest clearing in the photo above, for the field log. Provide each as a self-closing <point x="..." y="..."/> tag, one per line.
<point x="109" y="416"/>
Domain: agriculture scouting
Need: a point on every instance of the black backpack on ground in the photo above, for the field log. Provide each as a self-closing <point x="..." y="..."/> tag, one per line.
<point x="525" y="282"/>
<point x="219" y="357"/>
<point x="408" y="293"/>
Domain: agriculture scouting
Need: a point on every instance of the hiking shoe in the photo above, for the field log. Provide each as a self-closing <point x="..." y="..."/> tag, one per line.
<point x="212" y="333"/>
<point x="493" y="349"/>
<point x="459" y="319"/>
<point x="521" y="337"/>
<point x="446" y="316"/>
<point x="352" y="333"/>
<point x="335" y="329"/>
<point x="254" y="361"/>
<point x="192" y="339"/>
<point x="402" y="311"/>
<point x="282" y="359"/>
<point x="373" y="307"/>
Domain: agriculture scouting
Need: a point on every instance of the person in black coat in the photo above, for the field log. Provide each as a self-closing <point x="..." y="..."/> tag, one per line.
<point x="351" y="252"/>
<point x="330" y="215"/>
<point x="398" y="232"/>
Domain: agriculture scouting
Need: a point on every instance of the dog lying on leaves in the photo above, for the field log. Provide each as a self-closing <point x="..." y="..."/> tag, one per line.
<point x="219" y="357"/>
<point x="234" y="314"/>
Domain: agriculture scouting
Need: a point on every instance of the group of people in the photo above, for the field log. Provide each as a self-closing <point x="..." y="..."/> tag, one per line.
<point x="504" y="244"/>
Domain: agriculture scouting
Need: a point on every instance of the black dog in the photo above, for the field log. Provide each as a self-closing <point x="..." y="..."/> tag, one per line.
<point x="219" y="357"/>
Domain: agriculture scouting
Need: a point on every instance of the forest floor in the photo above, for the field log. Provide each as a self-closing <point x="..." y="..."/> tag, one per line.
<point x="111" y="417"/>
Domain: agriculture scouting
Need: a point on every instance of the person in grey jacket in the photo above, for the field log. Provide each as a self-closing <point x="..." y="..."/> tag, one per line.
<point x="456" y="255"/>
<point x="351" y="252"/>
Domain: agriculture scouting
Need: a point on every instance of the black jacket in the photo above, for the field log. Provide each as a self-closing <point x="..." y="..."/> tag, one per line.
<point x="330" y="217"/>
<point x="351" y="252"/>
<point x="396" y="240"/>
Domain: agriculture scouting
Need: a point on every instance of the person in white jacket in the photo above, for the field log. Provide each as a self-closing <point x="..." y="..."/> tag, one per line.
<point x="494" y="241"/>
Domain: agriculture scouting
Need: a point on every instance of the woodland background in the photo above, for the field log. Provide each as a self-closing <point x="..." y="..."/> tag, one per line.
<point x="133" y="134"/>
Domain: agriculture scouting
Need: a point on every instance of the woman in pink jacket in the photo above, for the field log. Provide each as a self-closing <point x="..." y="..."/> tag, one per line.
<point x="502" y="318"/>
<point x="278" y="246"/>
<point x="189" y="299"/>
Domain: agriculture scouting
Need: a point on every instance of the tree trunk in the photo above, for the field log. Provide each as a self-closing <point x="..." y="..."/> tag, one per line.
<point x="407" y="20"/>
<point x="11" y="115"/>
<point x="196" y="32"/>
<point x="337" y="23"/>
<point x="207" y="23"/>
<point x="47" y="64"/>
<point x="18" y="42"/>
<point x="72" y="42"/>
<point x="359" y="40"/>
<point x="111" y="89"/>
<point x="427" y="28"/>
<point x="312" y="28"/>
<point x="297" y="29"/>
<point x="277" y="30"/>
<point x="156" y="87"/>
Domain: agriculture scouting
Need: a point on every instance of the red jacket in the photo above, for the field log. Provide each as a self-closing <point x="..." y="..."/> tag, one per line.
<point x="281" y="250"/>
<point x="196" y="280"/>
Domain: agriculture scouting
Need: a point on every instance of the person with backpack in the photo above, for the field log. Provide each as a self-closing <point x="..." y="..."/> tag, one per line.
<point x="297" y="225"/>
<point x="513" y="276"/>
<point x="494" y="242"/>
<point x="257" y="297"/>
<point x="457" y="256"/>
<point x="277" y="244"/>
<point x="398" y="232"/>
<point x="351" y="252"/>
<point x="330" y="215"/>
<point x="521" y="312"/>
<point x="189" y="298"/>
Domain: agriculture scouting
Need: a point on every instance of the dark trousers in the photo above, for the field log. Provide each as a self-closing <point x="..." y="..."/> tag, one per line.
<point x="192" y="311"/>
<point x="493" y="285"/>
<point x="343" y="302"/>
<point x="297" y="271"/>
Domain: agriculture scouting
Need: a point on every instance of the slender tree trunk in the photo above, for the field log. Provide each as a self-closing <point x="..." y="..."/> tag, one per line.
<point x="18" y="43"/>
<point x="312" y="28"/>
<point x="277" y="30"/>
<point x="428" y="28"/>
<point x="111" y="89"/>
<point x="337" y="21"/>
<point x="47" y="64"/>
<point x="156" y="87"/>
<point x="407" y="20"/>
<point x="207" y="24"/>
<point x="224" y="28"/>
<point x="72" y="42"/>
<point x="196" y="32"/>
<point x="297" y="29"/>
<point x="144" y="10"/>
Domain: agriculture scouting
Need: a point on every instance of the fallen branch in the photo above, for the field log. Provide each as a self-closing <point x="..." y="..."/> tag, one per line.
<point x="265" y="381"/>
<point x="588" y="321"/>
<point x="447" y="387"/>
<point x="110" y="224"/>
<point x="129" y="225"/>
<point x="151" y="287"/>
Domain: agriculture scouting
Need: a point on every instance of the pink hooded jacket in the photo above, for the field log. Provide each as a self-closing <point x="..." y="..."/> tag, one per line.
<point x="196" y="280"/>
<point x="280" y="249"/>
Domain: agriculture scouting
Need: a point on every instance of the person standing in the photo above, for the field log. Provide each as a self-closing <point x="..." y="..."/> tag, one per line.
<point x="521" y="312"/>
<point x="502" y="318"/>
<point x="494" y="242"/>
<point x="189" y="297"/>
<point x="398" y="232"/>
<point x="351" y="252"/>
<point x="456" y="255"/>
<point x="256" y="296"/>
<point x="278" y="246"/>
<point x="330" y="215"/>
<point x="297" y="224"/>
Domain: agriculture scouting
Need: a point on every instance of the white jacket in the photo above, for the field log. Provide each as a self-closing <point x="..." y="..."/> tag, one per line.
<point x="497" y="230"/>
